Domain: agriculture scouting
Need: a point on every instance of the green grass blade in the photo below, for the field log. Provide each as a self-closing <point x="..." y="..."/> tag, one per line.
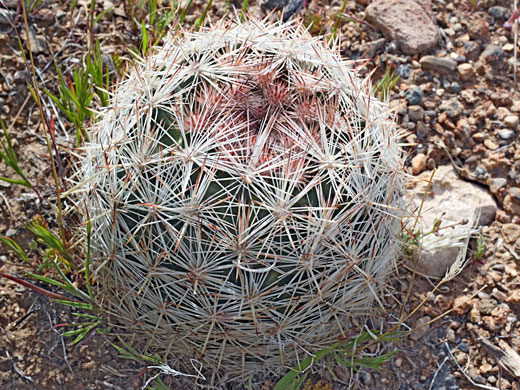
<point x="47" y="280"/>
<point x="16" y="181"/>
<point x="202" y="17"/>
<point x="184" y="12"/>
<point x="288" y="378"/>
<point x="77" y="305"/>
<point x="244" y="10"/>
<point x="13" y="245"/>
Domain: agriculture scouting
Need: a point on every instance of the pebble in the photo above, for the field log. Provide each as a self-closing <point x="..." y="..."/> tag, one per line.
<point x="498" y="12"/>
<point x="481" y="172"/>
<point x="419" y="333"/>
<point x="452" y="107"/>
<point x="490" y="144"/>
<point x="464" y="347"/>
<point x="415" y="113"/>
<point x="38" y="44"/>
<point x="466" y="71"/>
<point x="485" y="368"/>
<point x="450" y="336"/>
<point x="464" y="304"/>
<point x="414" y="95"/>
<point x="508" y="48"/>
<point x="474" y="314"/>
<point x="506" y="134"/>
<point x="515" y="193"/>
<point x="497" y="184"/>
<point x="455" y="87"/>
<point x="366" y="377"/>
<point x="404" y="70"/>
<point x="418" y="163"/>
<point x="511" y="121"/>
<point x="493" y="54"/>
<point x="511" y="232"/>
<point x="398" y="362"/>
<point x="441" y="65"/>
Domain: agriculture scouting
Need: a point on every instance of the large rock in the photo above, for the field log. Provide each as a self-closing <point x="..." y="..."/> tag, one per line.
<point x="409" y="22"/>
<point x="453" y="201"/>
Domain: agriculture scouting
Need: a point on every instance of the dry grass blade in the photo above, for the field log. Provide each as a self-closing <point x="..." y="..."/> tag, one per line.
<point x="506" y="356"/>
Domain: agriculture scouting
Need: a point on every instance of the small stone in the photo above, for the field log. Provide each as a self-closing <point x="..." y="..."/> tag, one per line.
<point x="450" y="336"/>
<point x="38" y="44"/>
<point x="506" y="134"/>
<point x="366" y="377"/>
<point x="464" y="347"/>
<point x="462" y="304"/>
<point x="419" y="163"/>
<point x="440" y="65"/>
<point x="375" y="47"/>
<point x="489" y="323"/>
<point x="502" y="97"/>
<point x="497" y="184"/>
<point x="511" y="205"/>
<point x="414" y="95"/>
<point x="404" y="70"/>
<point x="493" y="54"/>
<point x="498" y="12"/>
<point x="452" y="107"/>
<point x="474" y="314"/>
<point x="419" y="333"/>
<point x="492" y="379"/>
<point x="466" y="71"/>
<point x="415" y="113"/>
<point x="11" y="232"/>
<point x="490" y="144"/>
<point x="398" y="362"/>
<point x="455" y="87"/>
<point x="514" y="192"/>
<point x="511" y="121"/>
<point x="22" y="76"/>
<point x="508" y="48"/>
<point x="511" y="232"/>
<point x="485" y="368"/>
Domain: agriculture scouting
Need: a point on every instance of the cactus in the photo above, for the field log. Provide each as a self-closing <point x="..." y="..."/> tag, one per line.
<point x="244" y="190"/>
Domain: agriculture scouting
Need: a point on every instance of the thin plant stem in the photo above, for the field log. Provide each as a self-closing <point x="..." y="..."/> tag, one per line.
<point x="36" y="93"/>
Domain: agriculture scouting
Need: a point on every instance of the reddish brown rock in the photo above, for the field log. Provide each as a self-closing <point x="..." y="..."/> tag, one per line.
<point x="409" y="22"/>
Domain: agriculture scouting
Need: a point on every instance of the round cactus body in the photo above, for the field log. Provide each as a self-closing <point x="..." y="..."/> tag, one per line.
<point x="244" y="190"/>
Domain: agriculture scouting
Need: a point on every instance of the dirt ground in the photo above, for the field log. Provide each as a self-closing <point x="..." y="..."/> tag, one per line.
<point x="455" y="352"/>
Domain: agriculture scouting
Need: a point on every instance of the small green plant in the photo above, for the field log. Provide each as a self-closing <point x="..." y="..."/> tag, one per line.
<point x="8" y="155"/>
<point x="478" y="254"/>
<point x="386" y="84"/>
<point x="76" y="95"/>
<point x="345" y="353"/>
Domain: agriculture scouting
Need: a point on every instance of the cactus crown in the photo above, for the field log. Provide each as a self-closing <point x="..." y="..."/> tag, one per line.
<point x="244" y="190"/>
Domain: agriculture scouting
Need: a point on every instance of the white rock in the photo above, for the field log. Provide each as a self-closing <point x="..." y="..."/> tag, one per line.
<point x="453" y="201"/>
